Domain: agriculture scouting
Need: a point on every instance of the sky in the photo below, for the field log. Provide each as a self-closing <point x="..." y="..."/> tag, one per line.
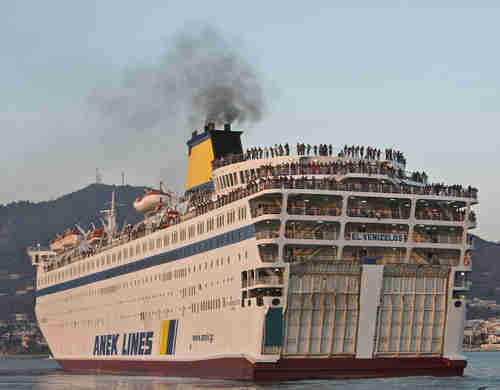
<point x="418" y="76"/>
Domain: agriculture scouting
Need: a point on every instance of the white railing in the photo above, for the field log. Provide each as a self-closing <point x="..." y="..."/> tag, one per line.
<point x="263" y="210"/>
<point x="269" y="258"/>
<point x="327" y="211"/>
<point x="269" y="280"/>
<point x="313" y="235"/>
<point x="297" y="258"/>
<point x="265" y="234"/>
<point x="438" y="239"/>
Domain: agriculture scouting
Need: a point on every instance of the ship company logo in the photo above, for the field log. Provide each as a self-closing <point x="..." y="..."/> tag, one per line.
<point x="168" y="337"/>
<point x="139" y="343"/>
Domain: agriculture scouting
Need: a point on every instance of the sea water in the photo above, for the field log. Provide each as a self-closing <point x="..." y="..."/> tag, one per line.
<point x="21" y="374"/>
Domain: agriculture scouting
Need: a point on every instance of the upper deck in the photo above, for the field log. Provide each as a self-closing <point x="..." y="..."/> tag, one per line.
<point x="329" y="173"/>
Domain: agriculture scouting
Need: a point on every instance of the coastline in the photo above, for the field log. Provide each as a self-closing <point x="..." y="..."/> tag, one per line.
<point x="479" y="349"/>
<point x="25" y="356"/>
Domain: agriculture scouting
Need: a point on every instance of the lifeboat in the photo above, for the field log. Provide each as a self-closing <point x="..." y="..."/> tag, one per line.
<point x="67" y="241"/>
<point x="56" y="244"/>
<point x="171" y="217"/>
<point x="71" y="239"/>
<point x="96" y="235"/>
<point x="151" y="201"/>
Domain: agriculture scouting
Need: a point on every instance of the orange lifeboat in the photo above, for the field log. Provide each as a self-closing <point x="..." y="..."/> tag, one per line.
<point x="96" y="235"/>
<point x="71" y="238"/>
<point x="68" y="240"/>
<point x="151" y="201"/>
<point x="56" y="244"/>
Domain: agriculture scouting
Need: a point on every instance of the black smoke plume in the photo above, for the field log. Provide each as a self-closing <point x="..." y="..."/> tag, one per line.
<point x="202" y="76"/>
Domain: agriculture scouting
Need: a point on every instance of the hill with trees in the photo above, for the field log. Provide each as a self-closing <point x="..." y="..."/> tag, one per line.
<point x="486" y="270"/>
<point x="27" y="223"/>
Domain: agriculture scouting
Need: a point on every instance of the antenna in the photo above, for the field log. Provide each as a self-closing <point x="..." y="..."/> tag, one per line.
<point x="123" y="178"/>
<point x="109" y="222"/>
<point x="98" y="176"/>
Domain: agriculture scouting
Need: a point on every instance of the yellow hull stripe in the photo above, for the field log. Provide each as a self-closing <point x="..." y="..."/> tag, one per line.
<point x="164" y="337"/>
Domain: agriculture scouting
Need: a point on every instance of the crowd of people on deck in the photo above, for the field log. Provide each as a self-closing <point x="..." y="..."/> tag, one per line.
<point x="266" y="152"/>
<point x="316" y="150"/>
<point x="371" y="153"/>
<point x="284" y="150"/>
<point x="343" y="167"/>
<point x="419" y="177"/>
<point x="333" y="167"/>
<point x="354" y="152"/>
<point x="440" y="214"/>
<point x="200" y="196"/>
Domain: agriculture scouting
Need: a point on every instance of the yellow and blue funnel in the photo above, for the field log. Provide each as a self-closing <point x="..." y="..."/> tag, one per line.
<point x="203" y="149"/>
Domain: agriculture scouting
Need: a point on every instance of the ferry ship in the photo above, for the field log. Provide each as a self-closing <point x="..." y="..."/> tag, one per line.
<point x="272" y="265"/>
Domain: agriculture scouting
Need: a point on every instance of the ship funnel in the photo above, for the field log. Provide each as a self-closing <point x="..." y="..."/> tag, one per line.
<point x="203" y="148"/>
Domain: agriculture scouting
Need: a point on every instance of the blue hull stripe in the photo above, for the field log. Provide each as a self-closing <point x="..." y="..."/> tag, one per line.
<point x="209" y="244"/>
<point x="172" y="333"/>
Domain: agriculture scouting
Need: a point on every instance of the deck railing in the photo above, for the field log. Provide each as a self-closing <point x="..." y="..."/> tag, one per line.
<point x="269" y="258"/>
<point x="430" y="215"/>
<point x="312" y="235"/>
<point x="267" y="234"/>
<point x="300" y="258"/>
<point x="437" y="239"/>
<point x="325" y="211"/>
<point x="268" y="280"/>
<point x="263" y="210"/>
<point x="378" y="213"/>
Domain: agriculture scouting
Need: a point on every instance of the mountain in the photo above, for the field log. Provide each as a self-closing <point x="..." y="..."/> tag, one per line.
<point x="486" y="269"/>
<point x="26" y="223"/>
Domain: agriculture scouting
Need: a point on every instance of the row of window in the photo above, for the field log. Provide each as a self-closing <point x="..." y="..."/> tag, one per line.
<point x="160" y="276"/>
<point x="189" y="291"/>
<point x="213" y="304"/>
<point x="235" y="178"/>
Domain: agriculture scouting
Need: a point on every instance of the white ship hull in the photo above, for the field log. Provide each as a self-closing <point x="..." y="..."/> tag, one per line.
<point x="342" y="271"/>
